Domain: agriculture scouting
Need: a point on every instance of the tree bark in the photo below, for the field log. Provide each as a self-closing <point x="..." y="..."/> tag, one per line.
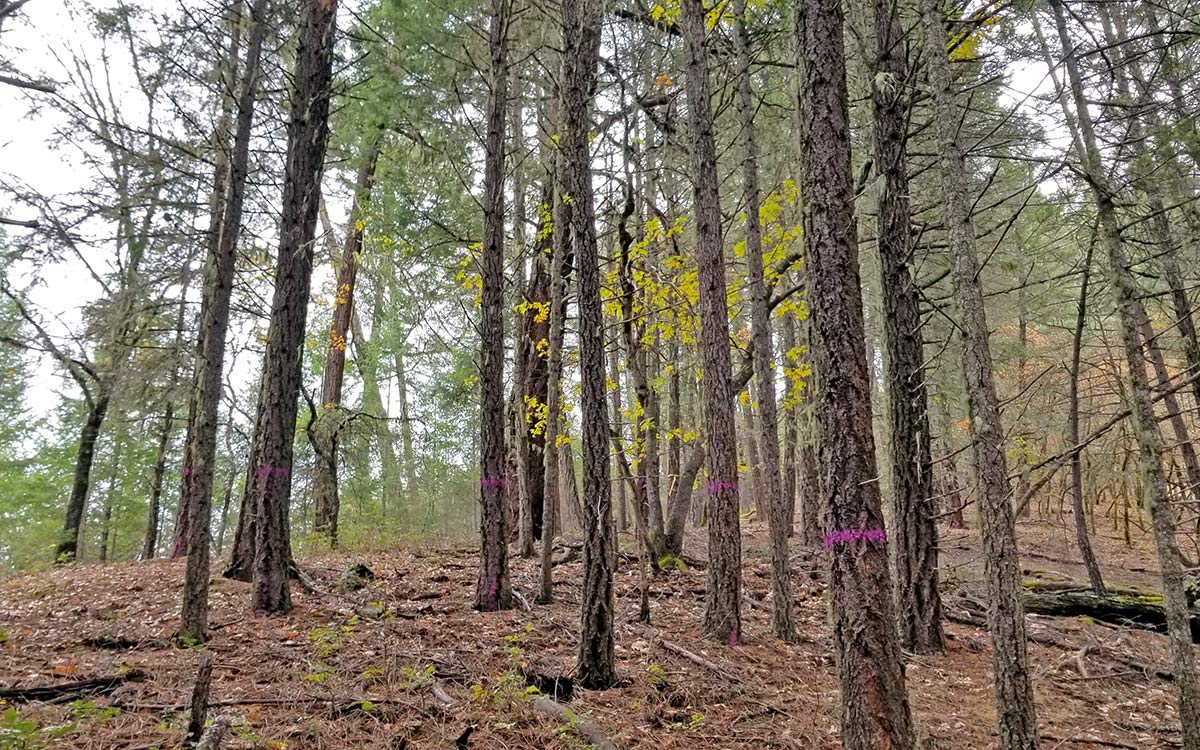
<point x="596" y="669"/>
<point x="875" y="713"/>
<point x="722" y="610"/>
<point x="275" y="423"/>
<point x="195" y="501"/>
<point x="199" y="448"/>
<point x="68" y="545"/>
<point x="1006" y="623"/>
<point x="150" y="539"/>
<point x="493" y="590"/>
<point x="914" y="552"/>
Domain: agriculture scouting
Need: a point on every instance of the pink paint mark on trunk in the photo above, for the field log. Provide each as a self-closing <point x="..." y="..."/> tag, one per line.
<point x="733" y="637"/>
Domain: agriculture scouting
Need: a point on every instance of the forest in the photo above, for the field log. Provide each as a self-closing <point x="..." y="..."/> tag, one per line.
<point x="691" y="374"/>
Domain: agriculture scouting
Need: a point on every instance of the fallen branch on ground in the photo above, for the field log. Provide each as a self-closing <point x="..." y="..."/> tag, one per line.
<point x="68" y="691"/>
<point x="588" y="731"/>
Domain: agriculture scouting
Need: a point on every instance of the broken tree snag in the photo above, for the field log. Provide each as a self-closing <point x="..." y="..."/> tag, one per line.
<point x="214" y="736"/>
<point x="68" y="691"/>
<point x="597" y="738"/>
<point x="199" y="705"/>
<point x="1144" y="612"/>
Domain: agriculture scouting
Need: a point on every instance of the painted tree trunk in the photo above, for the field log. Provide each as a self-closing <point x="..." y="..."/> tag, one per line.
<point x="275" y="422"/>
<point x="875" y="713"/>
<point x="493" y="590"/>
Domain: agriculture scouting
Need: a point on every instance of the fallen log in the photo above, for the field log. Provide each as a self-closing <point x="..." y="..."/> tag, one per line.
<point x="1143" y="612"/>
<point x="68" y="691"/>
<point x="597" y="738"/>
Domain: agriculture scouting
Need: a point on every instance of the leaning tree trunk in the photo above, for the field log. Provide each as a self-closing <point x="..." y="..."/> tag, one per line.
<point x="199" y="448"/>
<point x="1077" y="507"/>
<point x="1006" y="622"/>
<point x="914" y="550"/>
<point x="1150" y="444"/>
<point x="275" y="423"/>
<point x="195" y="502"/>
<point x="597" y="668"/>
<point x="331" y="421"/>
<point x="722" y="611"/>
<point x="493" y="590"/>
<point x="68" y="544"/>
<point x="875" y="713"/>
<point x="771" y="487"/>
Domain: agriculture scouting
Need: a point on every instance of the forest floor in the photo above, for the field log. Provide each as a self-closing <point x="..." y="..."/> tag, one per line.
<point x="430" y="668"/>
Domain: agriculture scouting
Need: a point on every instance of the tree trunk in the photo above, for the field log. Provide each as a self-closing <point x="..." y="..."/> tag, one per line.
<point x="914" y="551"/>
<point x="368" y="370"/>
<point x="199" y="447"/>
<point x="771" y="487"/>
<point x="195" y="501"/>
<point x="493" y="590"/>
<point x="275" y="423"/>
<point x="150" y="540"/>
<point x="722" y="611"/>
<point x="1077" y="509"/>
<point x="68" y="544"/>
<point x="791" y="420"/>
<point x="1006" y="623"/>
<point x="875" y="712"/>
<point x="330" y="422"/>
<point x="1158" y="495"/>
<point x="559" y="239"/>
<point x="597" y="669"/>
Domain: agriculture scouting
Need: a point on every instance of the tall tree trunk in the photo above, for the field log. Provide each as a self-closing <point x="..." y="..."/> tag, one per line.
<point x="559" y="245"/>
<point x="722" y="610"/>
<point x="1077" y="508"/>
<point x="275" y="423"/>
<point x="331" y="421"/>
<point x="875" y="712"/>
<point x="914" y="550"/>
<point x="493" y="590"/>
<point x="771" y="486"/>
<point x="597" y="668"/>
<point x="1149" y="440"/>
<point x="195" y="501"/>
<point x="368" y="370"/>
<point x="1006" y="621"/>
<point x="199" y="447"/>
